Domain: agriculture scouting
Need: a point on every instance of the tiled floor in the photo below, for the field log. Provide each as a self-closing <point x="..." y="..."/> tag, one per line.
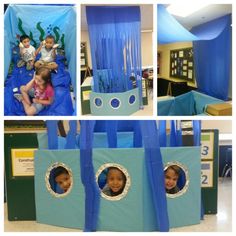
<point x="222" y="222"/>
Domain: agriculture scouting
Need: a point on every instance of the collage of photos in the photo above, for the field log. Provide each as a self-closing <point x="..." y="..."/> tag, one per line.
<point x="144" y="163"/>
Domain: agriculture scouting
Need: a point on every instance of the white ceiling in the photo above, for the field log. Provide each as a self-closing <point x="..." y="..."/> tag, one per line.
<point x="146" y="17"/>
<point x="205" y="14"/>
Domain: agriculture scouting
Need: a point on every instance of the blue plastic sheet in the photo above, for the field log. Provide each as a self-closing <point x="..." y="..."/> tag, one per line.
<point x="38" y="21"/>
<point x="170" y="30"/>
<point x="115" y="40"/>
<point x="62" y="104"/>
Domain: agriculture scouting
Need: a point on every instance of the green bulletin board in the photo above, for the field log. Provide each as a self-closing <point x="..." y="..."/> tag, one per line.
<point x="181" y="64"/>
<point x="19" y="175"/>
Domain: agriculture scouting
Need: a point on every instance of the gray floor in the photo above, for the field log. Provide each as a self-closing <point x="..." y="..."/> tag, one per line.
<point x="222" y="222"/>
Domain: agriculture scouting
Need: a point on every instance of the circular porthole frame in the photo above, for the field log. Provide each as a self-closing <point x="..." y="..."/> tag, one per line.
<point x="94" y="102"/>
<point x="186" y="172"/>
<point x="127" y="184"/>
<point x="115" y="108"/>
<point x="131" y="104"/>
<point x="47" y="176"/>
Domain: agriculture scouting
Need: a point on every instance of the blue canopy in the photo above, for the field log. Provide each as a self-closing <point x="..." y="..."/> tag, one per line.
<point x="211" y="46"/>
<point x="170" y="30"/>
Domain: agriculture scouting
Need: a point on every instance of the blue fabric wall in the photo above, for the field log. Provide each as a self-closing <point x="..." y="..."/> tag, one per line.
<point x="212" y="59"/>
<point x="50" y="17"/>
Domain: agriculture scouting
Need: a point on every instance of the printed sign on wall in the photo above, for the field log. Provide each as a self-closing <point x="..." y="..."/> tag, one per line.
<point x="207" y="143"/>
<point x="207" y="174"/>
<point x="22" y="161"/>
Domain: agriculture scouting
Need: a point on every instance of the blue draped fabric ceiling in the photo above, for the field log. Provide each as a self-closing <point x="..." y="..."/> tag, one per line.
<point x="114" y="34"/>
<point x="212" y="50"/>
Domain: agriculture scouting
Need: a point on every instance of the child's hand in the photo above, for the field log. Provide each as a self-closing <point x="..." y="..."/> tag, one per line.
<point x="56" y="46"/>
<point x="43" y="43"/>
<point x="21" y="45"/>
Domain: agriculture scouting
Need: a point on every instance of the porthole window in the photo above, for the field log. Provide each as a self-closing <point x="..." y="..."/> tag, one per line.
<point x="115" y="103"/>
<point x="59" y="180"/>
<point x="98" y="102"/>
<point x="132" y="99"/>
<point x="176" y="179"/>
<point x="113" y="181"/>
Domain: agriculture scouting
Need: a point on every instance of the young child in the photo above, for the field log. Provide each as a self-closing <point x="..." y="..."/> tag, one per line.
<point x="40" y="89"/>
<point x="47" y="49"/>
<point x="27" y="53"/>
<point x="62" y="178"/>
<point x="115" y="182"/>
<point x="171" y="177"/>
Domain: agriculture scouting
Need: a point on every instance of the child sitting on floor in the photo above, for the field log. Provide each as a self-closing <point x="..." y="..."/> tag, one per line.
<point x="47" y="49"/>
<point x="27" y="53"/>
<point x="39" y="89"/>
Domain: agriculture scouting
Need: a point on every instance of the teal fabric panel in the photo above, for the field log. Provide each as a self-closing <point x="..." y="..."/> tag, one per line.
<point x="185" y="209"/>
<point x="164" y="106"/>
<point x="66" y="211"/>
<point x="126" y="214"/>
<point x="184" y="105"/>
<point x="105" y="108"/>
<point x="43" y="141"/>
<point x="124" y="140"/>
<point x="202" y="100"/>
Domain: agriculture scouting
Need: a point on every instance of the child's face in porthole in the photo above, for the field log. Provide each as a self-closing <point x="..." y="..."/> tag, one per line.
<point x="171" y="178"/>
<point x="115" y="180"/>
<point x="64" y="181"/>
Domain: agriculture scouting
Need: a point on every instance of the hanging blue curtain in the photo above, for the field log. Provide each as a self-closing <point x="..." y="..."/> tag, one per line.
<point x="162" y="132"/>
<point x="154" y="165"/>
<point x="92" y="193"/>
<point x="115" y="40"/>
<point x="212" y="59"/>
<point x="173" y="135"/>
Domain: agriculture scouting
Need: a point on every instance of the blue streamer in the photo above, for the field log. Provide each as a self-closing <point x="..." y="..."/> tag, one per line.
<point x="137" y="140"/>
<point x="173" y="135"/>
<point x="155" y="172"/>
<point x="92" y="193"/>
<point x="52" y="134"/>
<point x="115" y="41"/>
<point x="197" y="132"/>
<point x="71" y="136"/>
<point x="179" y="133"/>
<point x="111" y="128"/>
<point x="162" y="133"/>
